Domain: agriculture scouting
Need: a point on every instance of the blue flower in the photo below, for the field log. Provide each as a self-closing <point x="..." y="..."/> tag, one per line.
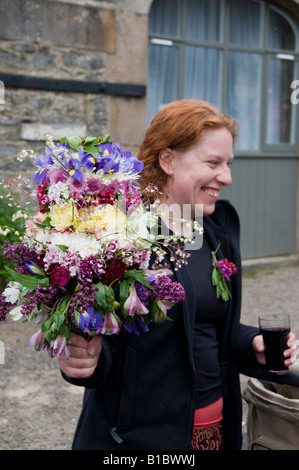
<point x="34" y="269"/>
<point x="109" y="158"/>
<point x="72" y="166"/>
<point x="43" y="162"/>
<point x="131" y="164"/>
<point x="113" y="159"/>
<point x="87" y="160"/>
<point x="90" y="319"/>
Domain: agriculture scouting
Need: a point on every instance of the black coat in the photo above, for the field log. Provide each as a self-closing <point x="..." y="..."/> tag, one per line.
<point x="143" y="392"/>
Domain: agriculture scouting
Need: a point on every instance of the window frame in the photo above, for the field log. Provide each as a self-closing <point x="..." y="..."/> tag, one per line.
<point x="224" y="45"/>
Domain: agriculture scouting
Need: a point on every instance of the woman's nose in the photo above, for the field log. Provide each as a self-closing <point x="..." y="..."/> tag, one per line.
<point x="225" y="176"/>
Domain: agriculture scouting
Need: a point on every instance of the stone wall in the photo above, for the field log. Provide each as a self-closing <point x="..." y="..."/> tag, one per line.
<point x="86" y="41"/>
<point x="83" y="40"/>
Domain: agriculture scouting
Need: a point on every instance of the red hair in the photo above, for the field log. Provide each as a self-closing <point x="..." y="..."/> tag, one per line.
<point x="179" y="125"/>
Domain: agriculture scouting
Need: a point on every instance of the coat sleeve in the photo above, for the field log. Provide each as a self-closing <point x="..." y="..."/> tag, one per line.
<point x="243" y="347"/>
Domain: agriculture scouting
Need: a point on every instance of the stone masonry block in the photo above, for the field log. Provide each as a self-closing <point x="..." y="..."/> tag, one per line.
<point x="61" y="24"/>
<point x="37" y="132"/>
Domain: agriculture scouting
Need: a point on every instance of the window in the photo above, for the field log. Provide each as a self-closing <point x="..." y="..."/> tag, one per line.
<point x="240" y="56"/>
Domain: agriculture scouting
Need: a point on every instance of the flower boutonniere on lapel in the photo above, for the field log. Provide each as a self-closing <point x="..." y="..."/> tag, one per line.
<point x="222" y="270"/>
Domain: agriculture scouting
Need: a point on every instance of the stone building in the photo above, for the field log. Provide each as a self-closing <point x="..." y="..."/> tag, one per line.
<point x="71" y="68"/>
<point x="92" y="67"/>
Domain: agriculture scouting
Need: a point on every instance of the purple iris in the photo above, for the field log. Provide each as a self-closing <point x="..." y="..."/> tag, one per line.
<point x="87" y="160"/>
<point x="109" y="158"/>
<point x="108" y="165"/>
<point x="132" y="164"/>
<point x="63" y="144"/>
<point x="136" y="326"/>
<point x="90" y="319"/>
<point x="43" y="162"/>
<point x="34" y="269"/>
<point x="72" y="166"/>
<point x="113" y="159"/>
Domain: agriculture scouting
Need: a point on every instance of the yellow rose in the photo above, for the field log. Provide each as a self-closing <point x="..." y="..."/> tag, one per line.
<point x="95" y="218"/>
<point x="63" y="217"/>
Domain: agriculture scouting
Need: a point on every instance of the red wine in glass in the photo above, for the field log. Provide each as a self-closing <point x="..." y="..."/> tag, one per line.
<point x="275" y="340"/>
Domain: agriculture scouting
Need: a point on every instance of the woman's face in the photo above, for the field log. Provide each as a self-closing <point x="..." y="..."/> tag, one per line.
<point x="197" y="175"/>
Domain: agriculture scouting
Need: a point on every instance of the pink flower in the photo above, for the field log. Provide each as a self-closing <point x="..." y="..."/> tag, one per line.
<point x="39" y="218"/>
<point x="159" y="272"/>
<point x="94" y="185"/>
<point x="227" y="268"/>
<point x="58" y="347"/>
<point x="133" y="305"/>
<point x="37" y="341"/>
<point x="160" y="314"/>
<point x="111" y="324"/>
<point x="58" y="174"/>
<point x="78" y="186"/>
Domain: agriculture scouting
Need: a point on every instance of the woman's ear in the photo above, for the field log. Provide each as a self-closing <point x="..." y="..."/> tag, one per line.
<point x="166" y="161"/>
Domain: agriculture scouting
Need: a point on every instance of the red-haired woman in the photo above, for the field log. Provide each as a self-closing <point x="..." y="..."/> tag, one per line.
<point x="177" y="386"/>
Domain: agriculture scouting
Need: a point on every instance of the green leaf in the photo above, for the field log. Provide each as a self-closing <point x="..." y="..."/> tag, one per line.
<point x="47" y="324"/>
<point x="138" y="276"/>
<point x="63" y="248"/>
<point x="92" y="149"/>
<point x="65" y="331"/>
<point x="89" y="139"/>
<point x="215" y="276"/>
<point x="104" y="296"/>
<point x="75" y="142"/>
<point x="45" y="223"/>
<point x="77" y="316"/>
<point x="123" y="292"/>
<point x="106" y="139"/>
<point x="28" y="281"/>
<point x="49" y="336"/>
<point x="58" y="319"/>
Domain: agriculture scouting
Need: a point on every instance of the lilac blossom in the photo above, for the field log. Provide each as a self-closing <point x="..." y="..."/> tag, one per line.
<point x="17" y="252"/>
<point x="40" y="295"/>
<point x="4" y="308"/>
<point x="83" y="298"/>
<point x="166" y="289"/>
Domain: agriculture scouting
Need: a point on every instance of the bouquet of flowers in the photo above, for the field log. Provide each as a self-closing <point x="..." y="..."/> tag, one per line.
<point x="83" y="263"/>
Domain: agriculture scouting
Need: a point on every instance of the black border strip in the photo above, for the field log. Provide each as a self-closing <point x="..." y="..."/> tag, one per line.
<point x="53" y="84"/>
